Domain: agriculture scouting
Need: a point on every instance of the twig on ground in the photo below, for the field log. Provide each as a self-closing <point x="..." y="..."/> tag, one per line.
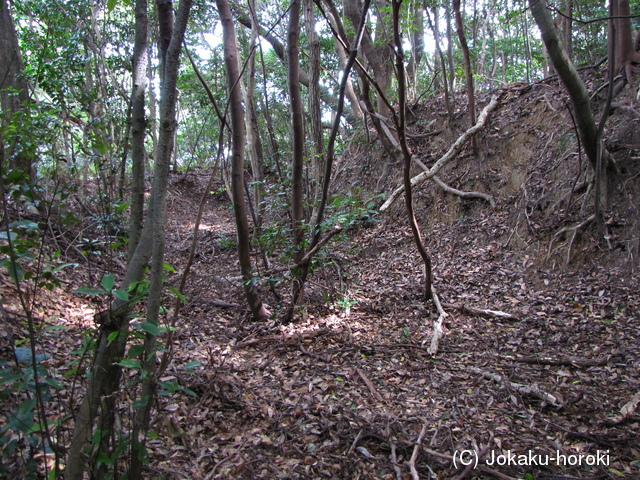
<point x="438" y="331"/>
<point x="461" y="194"/>
<point x="523" y="389"/>
<point x="370" y="385"/>
<point x="416" y="449"/>
<point x="394" y="462"/>
<point x="481" y="312"/>
<point x="563" y="361"/>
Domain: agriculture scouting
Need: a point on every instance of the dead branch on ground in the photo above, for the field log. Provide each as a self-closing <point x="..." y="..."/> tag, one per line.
<point x="562" y="361"/>
<point x="438" y="331"/>
<point x="481" y="312"/>
<point x="519" y="387"/>
<point x="416" y="449"/>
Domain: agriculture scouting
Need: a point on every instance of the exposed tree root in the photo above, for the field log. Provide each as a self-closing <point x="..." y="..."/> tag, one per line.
<point x="574" y="229"/>
<point x="461" y="194"/>
<point x="452" y="152"/>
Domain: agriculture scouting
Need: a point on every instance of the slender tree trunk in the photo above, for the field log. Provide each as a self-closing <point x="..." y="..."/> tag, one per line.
<point x="237" y="165"/>
<point x="297" y="146"/>
<point x="316" y="134"/>
<point x="166" y="140"/>
<point x="445" y="82"/>
<point x="138" y="123"/>
<point x="253" y="135"/>
<point x="406" y="153"/>
<point x="467" y="66"/>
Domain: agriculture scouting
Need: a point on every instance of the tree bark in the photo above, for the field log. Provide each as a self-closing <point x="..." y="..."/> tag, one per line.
<point x="237" y="163"/>
<point x="569" y="77"/>
<point x="413" y="223"/>
<point x="166" y="143"/>
<point x="138" y="123"/>
<point x="626" y="55"/>
<point x="467" y="64"/>
<point x="297" y="146"/>
<point x="14" y="93"/>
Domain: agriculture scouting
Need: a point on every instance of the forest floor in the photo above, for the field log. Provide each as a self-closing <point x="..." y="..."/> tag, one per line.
<point x="349" y="390"/>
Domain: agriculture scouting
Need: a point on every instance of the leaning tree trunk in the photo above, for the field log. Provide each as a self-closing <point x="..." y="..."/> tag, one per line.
<point x="237" y="164"/>
<point x="569" y="77"/>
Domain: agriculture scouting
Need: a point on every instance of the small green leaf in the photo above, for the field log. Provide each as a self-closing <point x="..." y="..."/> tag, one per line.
<point x="108" y="281"/>
<point x="16" y="272"/>
<point x="112" y="336"/>
<point x="169" y="268"/>
<point x="129" y="363"/>
<point x="135" y="350"/>
<point x="4" y="236"/>
<point x="27" y="224"/>
<point x="178" y="294"/>
<point x="121" y="294"/>
<point x="111" y="4"/>
<point x="192" y="364"/>
<point x="90" y="291"/>
<point x="150" y="328"/>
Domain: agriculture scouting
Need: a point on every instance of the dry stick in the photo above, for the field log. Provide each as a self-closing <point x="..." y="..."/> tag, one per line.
<point x="453" y="151"/>
<point x="523" y="389"/>
<point x="394" y="462"/>
<point x="461" y="194"/>
<point x="416" y="449"/>
<point x="481" y="312"/>
<point x="562" y="361"/>
<point x="370" y="385"/>
<point x="438" y="331"/>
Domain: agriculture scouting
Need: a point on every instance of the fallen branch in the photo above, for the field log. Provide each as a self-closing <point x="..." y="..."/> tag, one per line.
<point x="481" y="312"/>
<point x="416" y="449"/>
<point x="518" y="387"/>
<point x="626" y="411"/>
<point x="370" y="386"/>
<point x="438" y="331"/>
<point x="452" y="152"/>
<point x="562" y="361"/>
<point x="484" y="468"/>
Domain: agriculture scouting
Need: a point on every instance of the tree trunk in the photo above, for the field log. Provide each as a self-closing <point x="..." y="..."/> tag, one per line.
<point x="467" y="66"/>
<point x="413" y="223"/>
<point x="166" y="141"/>
<point x="231" y="58"/>
<point x="14" y="94"/>
<point x="569" y="77"/>
<point x="138" y="123"/>
<point x="297" y="146"/>
<point x="316" y="134"/>
<point x="377" y="53"/>
<point x="253" y="135"/>
<point x="626" y="55"/>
